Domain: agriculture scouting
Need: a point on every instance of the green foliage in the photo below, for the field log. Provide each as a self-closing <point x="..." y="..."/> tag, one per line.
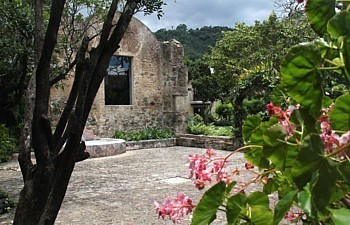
<point x="212" y="199"/>
<point x="7" y="144"/>
<point x="145" y="134"/>
<point x="6" y="203"/>
<point x="246" y="61"/>
<point x="16" y="60"/>
<point x="305" y="163"/>
<point x="224" y="111"/>
<point x="196" y="125"/>
<point x="196" y="42"/>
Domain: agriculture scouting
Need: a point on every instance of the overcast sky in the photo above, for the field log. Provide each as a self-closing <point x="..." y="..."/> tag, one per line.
<point x="199" y="13"/>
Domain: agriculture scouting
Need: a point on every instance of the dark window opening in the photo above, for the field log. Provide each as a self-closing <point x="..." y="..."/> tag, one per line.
<point x="118" y="81"/>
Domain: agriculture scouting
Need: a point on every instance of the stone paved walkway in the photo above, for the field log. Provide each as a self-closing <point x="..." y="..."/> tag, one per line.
<point x="120" y="190"/>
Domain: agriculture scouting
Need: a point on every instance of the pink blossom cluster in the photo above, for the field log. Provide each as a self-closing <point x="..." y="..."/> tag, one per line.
<point x="294" y="217"/>
<point x="175" y="208"/>
<point x="331" y="140"/>
<point x="282" y="116"/>
<point x="204" y="167"/>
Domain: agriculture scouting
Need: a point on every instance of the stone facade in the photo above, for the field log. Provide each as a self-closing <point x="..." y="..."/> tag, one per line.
<point x="158" y="81"/>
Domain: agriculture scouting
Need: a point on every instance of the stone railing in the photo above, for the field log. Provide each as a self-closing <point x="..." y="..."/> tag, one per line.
<point x="202" y="141"/>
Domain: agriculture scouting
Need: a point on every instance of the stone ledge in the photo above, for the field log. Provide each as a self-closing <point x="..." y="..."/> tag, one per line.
<point x="154" y="143"/>
<point x="202" y="141"/>
<point x="105" y="147"/>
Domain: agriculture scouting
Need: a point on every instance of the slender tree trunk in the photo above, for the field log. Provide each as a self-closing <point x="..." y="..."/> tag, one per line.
<point x="46" y="182"/>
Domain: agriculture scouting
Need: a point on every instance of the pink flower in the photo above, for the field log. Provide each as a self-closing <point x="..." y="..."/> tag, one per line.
<point x="248" y="165"/>
<point x="283" y="116"/>
<point x="210" y="153"/>
<point x="204" y="167"/>
<point x="175" y="208"/>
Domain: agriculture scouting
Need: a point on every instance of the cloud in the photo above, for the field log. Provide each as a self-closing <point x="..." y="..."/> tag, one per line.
<point x="199" y="13"/>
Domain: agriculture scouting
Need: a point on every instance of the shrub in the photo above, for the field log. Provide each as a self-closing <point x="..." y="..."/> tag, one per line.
<point x="224" y="111"/>
<point x="145" y="134"/>
<point x="7" y="144"/>
<point x="196" y="126"/>
<point x="6" y="204"/>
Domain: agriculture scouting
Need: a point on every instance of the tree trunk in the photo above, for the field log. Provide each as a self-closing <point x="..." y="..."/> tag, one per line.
<point x="45" y="183"/>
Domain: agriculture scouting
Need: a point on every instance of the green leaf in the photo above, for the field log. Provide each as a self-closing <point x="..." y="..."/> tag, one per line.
<point x="209" y="204"/>
<point x="230" y="187"/>
<point x="251" y="123"/>
<point x="261" y="215"/>
<point x="283" y="206"/>
<point x="310" y="156"/>
<point x="340" y="115"/>
<point x="304" y="122"/>
<point x="255" y="155"/>
<point x="318" y="13"/>
<point x="311" y="163"/>
<point x="346" y="55"/>
<point x="234" y="207"/>
<point x="301" y="78"/>
<point x="270" y="186"/>
<point x="275" y="149"/>
<point x="340" y="216"/>
<point x="345" y="171"/>
<point x="339" y="25"/>
<point x="324" y="187"/>
<point x="277" y="97"/>
<point x="304" y="200"/>
<point x="258" y="198"/>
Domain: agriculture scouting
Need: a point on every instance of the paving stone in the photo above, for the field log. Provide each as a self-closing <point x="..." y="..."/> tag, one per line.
<point x="121" y="189"/>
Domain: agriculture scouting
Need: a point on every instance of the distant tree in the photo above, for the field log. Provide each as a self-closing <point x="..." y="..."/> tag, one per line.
<point x="246" y="60"/>
<point x="45" y="183"/>
<point x="196" y="42"/>
<point x="16" y="59"/>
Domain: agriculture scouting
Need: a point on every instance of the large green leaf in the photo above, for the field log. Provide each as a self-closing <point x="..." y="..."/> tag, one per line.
<point x="261" y="215"/>
<point x="208" y="205"/>
<point x="339" y="25"/>
<point x="340" y="115"/>
<point x="304" y="200"/>
<point x="311" y="163"/>
<point x="277" y="150"/>
<point x="251" y="123"/>
<point x="308" y="161"/>
<point x="258" y="198"/>
<point x="324" y="187"/>
<point x="304" y="121"/>
<point x="255" y="155"/>
<point x="234" y="207"/>
<point x="301" y="78"/>
<point x="318" y="13"/>
<point x="346" y="55"/>
<point x="345" y="171"/>
<point x="283" y="206"/>
<point x="340" y="216"/>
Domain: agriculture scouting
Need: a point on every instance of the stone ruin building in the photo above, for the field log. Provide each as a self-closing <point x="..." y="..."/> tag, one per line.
<point x="146" y="86"/>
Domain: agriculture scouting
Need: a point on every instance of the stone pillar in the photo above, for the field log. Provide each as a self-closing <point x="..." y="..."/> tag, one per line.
<point x="175" y="79"/>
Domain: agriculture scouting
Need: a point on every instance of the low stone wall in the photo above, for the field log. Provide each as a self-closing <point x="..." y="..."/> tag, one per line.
<point x="156" y="143"/>
<point x="105" y="147"/>
<point x="202" y="141"/>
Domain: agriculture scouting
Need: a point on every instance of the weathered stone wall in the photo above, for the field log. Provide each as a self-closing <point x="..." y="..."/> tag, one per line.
<point x="202" y="141"/>
<point x="158" y="84"/>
